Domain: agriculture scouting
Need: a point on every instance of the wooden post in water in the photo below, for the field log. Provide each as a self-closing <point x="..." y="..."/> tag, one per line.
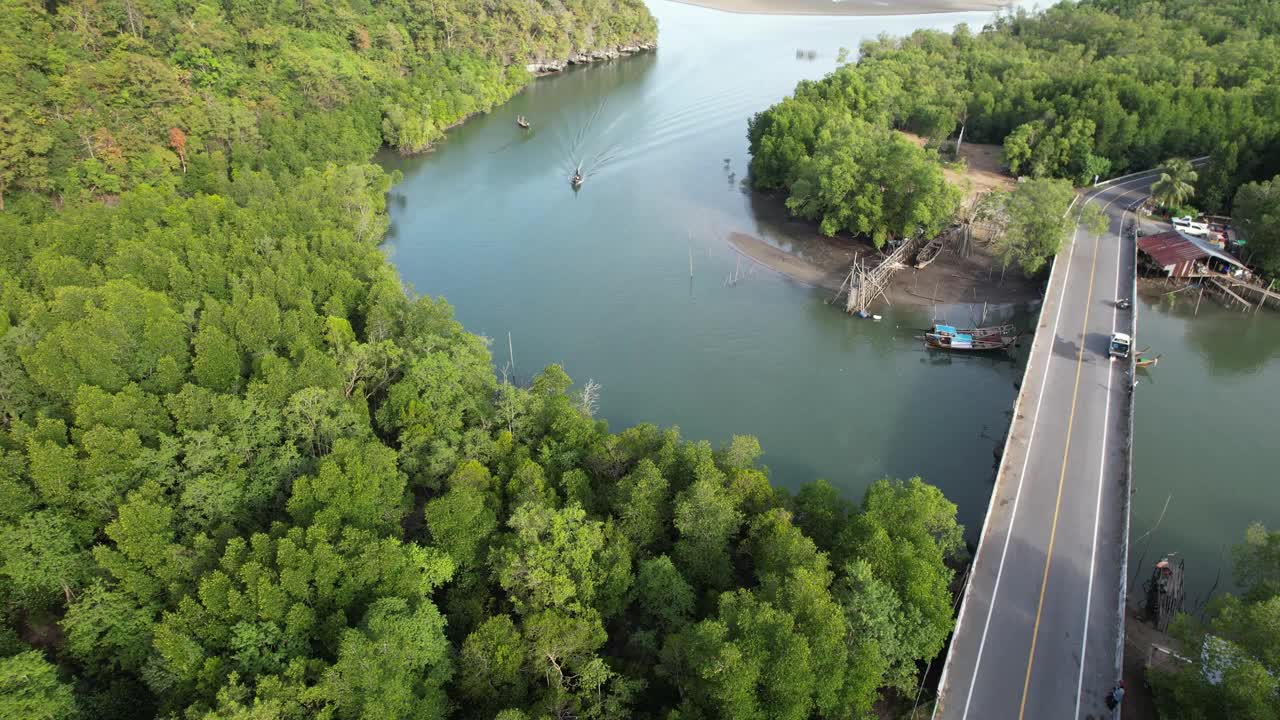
<point x="851" y="300"/>
<point x="690" y="262"/>
<point x="511" y="354"/>
<point x="1198" y="299"/>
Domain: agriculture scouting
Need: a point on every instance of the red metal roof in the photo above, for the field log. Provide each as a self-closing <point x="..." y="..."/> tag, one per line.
<point x="1170" y="248"/>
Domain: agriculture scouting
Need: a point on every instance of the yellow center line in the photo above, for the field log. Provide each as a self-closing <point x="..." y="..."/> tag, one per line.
<point x="1062" y="479"/>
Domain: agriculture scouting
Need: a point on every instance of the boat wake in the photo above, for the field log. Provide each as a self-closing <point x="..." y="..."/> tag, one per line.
<point x="586" y="150"/>
<point x="596" y="143"/>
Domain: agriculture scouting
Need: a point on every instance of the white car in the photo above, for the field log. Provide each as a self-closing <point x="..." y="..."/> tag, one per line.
<point x="1190" y="226"/>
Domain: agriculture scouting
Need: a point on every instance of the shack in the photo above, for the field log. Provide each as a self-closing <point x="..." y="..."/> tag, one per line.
<point x="1183" y="256"/>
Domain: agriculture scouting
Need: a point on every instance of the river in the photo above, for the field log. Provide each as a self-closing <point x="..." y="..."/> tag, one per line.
<point x="599" y="281"/>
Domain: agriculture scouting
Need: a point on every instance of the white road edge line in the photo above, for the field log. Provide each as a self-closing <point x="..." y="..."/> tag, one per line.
<point x="1102" y="463"/>
<point x="1013" y="514"/>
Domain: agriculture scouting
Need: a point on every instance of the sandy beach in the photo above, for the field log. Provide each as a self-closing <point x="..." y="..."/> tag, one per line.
<point x="846" y="7"/>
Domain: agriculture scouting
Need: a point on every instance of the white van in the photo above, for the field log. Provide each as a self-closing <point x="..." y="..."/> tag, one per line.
<point x="1120" y="344"/>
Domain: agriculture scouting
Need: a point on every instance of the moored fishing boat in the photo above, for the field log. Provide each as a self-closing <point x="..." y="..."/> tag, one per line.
<point x="1007" y="330"/>
<point x="964" y="341"/>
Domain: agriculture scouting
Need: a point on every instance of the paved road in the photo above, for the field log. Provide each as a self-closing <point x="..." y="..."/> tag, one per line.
<point x="1039" y="634"/>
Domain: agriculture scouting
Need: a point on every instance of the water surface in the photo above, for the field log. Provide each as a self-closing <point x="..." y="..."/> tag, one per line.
<point x="1204" y="438"/>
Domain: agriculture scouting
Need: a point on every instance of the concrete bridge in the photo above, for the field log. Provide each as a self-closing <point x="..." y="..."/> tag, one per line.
<point x="1041" y="628"/>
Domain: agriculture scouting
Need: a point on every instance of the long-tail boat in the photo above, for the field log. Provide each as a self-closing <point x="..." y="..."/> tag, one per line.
<point x="964" y="341"/>
<point x="1007" y="330"/>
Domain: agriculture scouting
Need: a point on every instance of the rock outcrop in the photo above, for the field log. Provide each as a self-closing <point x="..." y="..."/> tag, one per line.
<point x="588" y="56"/>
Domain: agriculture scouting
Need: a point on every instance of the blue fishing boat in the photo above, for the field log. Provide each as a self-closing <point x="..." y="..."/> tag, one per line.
<point x="946" y="337"/>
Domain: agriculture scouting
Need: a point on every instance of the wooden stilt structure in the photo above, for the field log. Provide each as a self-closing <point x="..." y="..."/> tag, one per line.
<point x="1235" y="289"/>
<point x="864" y="284"/>
<point x="1264" y="294"/>
<point x="1226" y="290"/>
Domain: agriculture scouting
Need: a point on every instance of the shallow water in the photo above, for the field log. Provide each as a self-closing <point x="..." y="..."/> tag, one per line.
<point x="599" y="281"/>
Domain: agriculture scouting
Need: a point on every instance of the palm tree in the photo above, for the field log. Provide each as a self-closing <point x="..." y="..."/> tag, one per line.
<point x="1175" y="185"/>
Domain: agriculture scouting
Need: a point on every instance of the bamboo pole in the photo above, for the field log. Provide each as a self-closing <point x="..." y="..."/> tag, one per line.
<point x="511" y="354"/>
<point x="1228" y="291"/>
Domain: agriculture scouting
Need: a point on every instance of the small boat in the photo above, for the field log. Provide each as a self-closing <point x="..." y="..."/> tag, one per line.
<point x="576" y="180"/>
<point x="1146" y="362"/>
<point x="962" y="341"/>
<point x="522" y="122"/>
<point x="929" y="252"/>
<point x="1007" y="330"/>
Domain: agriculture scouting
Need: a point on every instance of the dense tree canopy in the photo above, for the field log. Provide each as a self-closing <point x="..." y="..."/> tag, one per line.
<point x="244" y="474"/>
<point x="241" y="468"/>
<point x="1257" y="217"/>
<point x="98" y="96"/>
<point x="1083" y="89"/>
<point x="870" y="181"/>
<point x="848" y="173"/>
<point x="1032" y="222"/>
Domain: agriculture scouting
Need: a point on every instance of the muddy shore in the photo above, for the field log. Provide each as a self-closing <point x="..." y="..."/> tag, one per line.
<point x="794" y="248"/>
<point x="845" y="7"/>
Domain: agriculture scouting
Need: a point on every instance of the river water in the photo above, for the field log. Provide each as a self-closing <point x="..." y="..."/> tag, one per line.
<point x="1204" y="437"/>
<point x="599" y="280"/>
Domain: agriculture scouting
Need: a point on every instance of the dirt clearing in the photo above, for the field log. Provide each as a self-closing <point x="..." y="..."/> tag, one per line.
<point x="984" y="170"/>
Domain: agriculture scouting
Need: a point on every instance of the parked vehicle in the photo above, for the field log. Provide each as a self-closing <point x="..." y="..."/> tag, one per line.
<point x="1120" y="344"/>
<point x="1191" y="227"/>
